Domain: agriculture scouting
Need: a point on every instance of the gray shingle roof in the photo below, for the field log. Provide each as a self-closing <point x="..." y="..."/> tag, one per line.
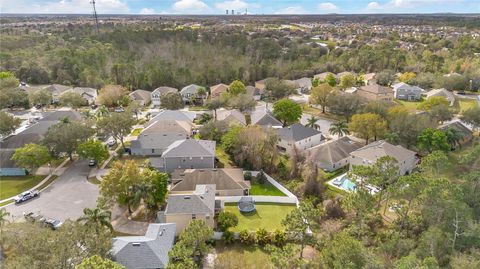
<point x="202" y="201"/>
<point x="296" y="132"/>
<point x="173" y="115"/>
<point x="149" y="251"/>
<point x="190" y="148"/>
<point x="264" y="118"/>
<point x="333" y="151"/>
<point x="381" y="148"/>
<point x="140" y="95"/>
<point x="231" y="115"/>
<point x="192" y="88"/>
<point x="162" y="133"/>
<point x="164" y="90"/>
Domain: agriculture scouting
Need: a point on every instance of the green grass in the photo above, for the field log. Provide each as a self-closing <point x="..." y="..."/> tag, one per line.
<point x="465" y="104"/>
<point x="223" y="158"/>
<point x="268" y="216"/>
<point x="11" y="186"/>
<point x="410" y="105"/>
<point x="197" y="108"/>
<point x="241" y="256"/>
<point x="136" y="132"/>
<point x="318" y="113"/>
<point x="7" y="202"/>
<point x="264" y="189"/>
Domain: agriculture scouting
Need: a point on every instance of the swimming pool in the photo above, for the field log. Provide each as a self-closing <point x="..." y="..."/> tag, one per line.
<point x="344" y="183"/>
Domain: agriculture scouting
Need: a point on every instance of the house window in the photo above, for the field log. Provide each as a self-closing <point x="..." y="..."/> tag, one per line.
<point x="201" y="158"/>
<point x="183" y="160"/>
<point x="194" y="216"/>
<point x="153" y="150"/>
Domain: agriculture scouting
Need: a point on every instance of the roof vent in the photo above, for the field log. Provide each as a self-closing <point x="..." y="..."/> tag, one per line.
<point x="186" y="197"/>
<point x="136" y="244"/>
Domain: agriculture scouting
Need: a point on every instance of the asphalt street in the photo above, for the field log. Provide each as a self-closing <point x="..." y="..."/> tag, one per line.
<point x="65" y="198"/>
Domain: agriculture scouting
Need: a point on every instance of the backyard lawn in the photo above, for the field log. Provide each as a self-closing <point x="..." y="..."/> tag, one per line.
<point x="11" y="186"/>
<point x="266" y="189"/>
<point x="268" y="216"/>
<point x="410" y="105"/>
<point x="241" y="256"/>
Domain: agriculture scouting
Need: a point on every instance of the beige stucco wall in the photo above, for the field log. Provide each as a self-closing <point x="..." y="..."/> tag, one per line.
<point x="182" y="220"/>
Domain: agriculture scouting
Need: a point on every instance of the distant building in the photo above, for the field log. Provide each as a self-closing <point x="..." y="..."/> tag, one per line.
<point x="231" y="116"/>
<point x="442" y="93"/>
<point x="403" y="91"/>
<point x="159" y="92"/>
<point x="375" y="92"/>
<point x="299" y="136"/>
<point x="264" y="118"/>
<point x="217" y="90"/>
<point x="142" y="97"/>
<point x="333" y="154"/>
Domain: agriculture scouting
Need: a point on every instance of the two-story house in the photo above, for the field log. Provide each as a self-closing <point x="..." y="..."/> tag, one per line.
<point x="298" y="136"/>
<point x="159" y="92"/>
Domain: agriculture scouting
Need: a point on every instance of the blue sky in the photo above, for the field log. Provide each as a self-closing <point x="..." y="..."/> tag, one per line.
<point x="253" y="6"/>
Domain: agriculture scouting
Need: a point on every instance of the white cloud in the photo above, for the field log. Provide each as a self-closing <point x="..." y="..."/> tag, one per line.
<point x="64" y="6"/>
<point x="291" y="10"/>
<point x="406" y="5"/>
<point x="190" y="6"/>
<point x="147" y="11"/>
<point x="327" y="7"/>
<point x="232" y="4"/>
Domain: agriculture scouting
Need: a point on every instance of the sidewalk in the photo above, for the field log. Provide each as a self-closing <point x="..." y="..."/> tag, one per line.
<point x="56" y="172"/>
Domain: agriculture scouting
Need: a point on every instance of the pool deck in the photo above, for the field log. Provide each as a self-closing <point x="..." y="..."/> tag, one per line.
<point x="370" y="188"/>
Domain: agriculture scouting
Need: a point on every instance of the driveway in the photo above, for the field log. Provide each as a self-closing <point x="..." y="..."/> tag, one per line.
<point x="65" y="198"/>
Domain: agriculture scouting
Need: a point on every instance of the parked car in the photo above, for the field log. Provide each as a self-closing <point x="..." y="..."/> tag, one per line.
<point x="92" y="162"/>
<point x="33" y="217"/>
<point x="119" y="109"/>
<point x="53" y="224"/>
<point x="94" y="106"/>
<point x="111" y="142"/>
<point x="26" y="195"/>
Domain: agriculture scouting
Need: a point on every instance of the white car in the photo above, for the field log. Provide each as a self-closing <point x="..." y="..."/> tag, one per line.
<point x="111" y="142"/>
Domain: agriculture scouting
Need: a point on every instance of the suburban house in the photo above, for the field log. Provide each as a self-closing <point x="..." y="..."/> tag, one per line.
<point x="303" y="85"/>
<point x="56" y="90"/>
<point x="322" y="76"/>
<point x="89" y="94"/>
<point x="182" y="208"/>
<point x="298" y="136"/>
<point x="442" y="93"/>
<point x="369" y="78"/>
<point x="148" y="251"/>
<point x="403" y="91"/>
<point x="333" y="154"/>
<point x="341" y="74"/>
<point x="190" y="91"/>
<point x="369" y="154"/>
<point x="228" y="181"/>
<point x="159" y="92"/>
<point x="32" y="134"/>
<point x="217" y="90"/>
<point x="264" y="118"/>
<point x="459" y="127"/>
<point x="375" y="92"/>
<point x="173" y="115"/>
<point x="254" y="92"/>
<point x="231" y="116"/>
<point x="186" y="154"/>
<point x="142" y="97"/>
<point x="158" y="136"/>
<point x="261" y="85"/>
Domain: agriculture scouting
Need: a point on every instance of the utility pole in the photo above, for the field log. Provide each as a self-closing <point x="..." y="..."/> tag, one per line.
<point x="95" y="15"/>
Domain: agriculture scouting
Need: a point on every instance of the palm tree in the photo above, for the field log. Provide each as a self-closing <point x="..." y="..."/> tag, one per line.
<point x="312" y="123"/>
<point x="339" y="128"/>
<point x="97" y="217"/>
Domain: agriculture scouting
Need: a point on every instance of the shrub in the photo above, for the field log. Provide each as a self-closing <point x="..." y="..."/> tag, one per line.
<point x="279" y="238"/>
<point x="247" y="237"/>
<point x="247" y="176"/>
<point x="228" y="236"/>
<point x="263" y="237"/>
<point x="261" y="177"/>
<point x="226" y="220"/>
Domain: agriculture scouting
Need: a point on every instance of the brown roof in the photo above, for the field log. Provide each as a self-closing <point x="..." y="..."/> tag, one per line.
<point x="218" y="89"/>
<point x="376" y="89"/>
<point x="223" y="179"/>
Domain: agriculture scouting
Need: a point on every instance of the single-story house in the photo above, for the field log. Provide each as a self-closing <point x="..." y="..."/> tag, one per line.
<point x="303" y="85"/>
<point x="322" y="76"/>
<point x="403" y="91"/>
<point x="231" y="116"/>
<point x="159" y="92"/>
<point x="186" y="154"/>
<point x="228" y="181"/>
<point x="89" y="94"/>
<point x="57" y="90"/>
<point x="148" y="251"/>
<point x="254" y="92"/>
<point x="461" y="128"/>
<point x="264" y="118"/>
<point x="142" y="97"/>
<point x="261" y="84"/>
<point x="183" y="208"/>
<point x="442" y="93"/>
<point x="173" y="115"/>
<point x="375" y="92"/>
<point x="333" y="154"/>
<point x="369" y="78"/>
<point x="299" y="136"/>
<point x="217" y="90"/>
<point x="369" y="154"/>
<point x="158" y="136"/>
<point x="341" y="74"/>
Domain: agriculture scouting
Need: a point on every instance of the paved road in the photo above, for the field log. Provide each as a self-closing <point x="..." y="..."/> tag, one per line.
<point x="65" y="198"/>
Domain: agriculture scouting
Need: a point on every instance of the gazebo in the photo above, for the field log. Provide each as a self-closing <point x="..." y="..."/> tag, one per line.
<point x="246" y="204"/>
